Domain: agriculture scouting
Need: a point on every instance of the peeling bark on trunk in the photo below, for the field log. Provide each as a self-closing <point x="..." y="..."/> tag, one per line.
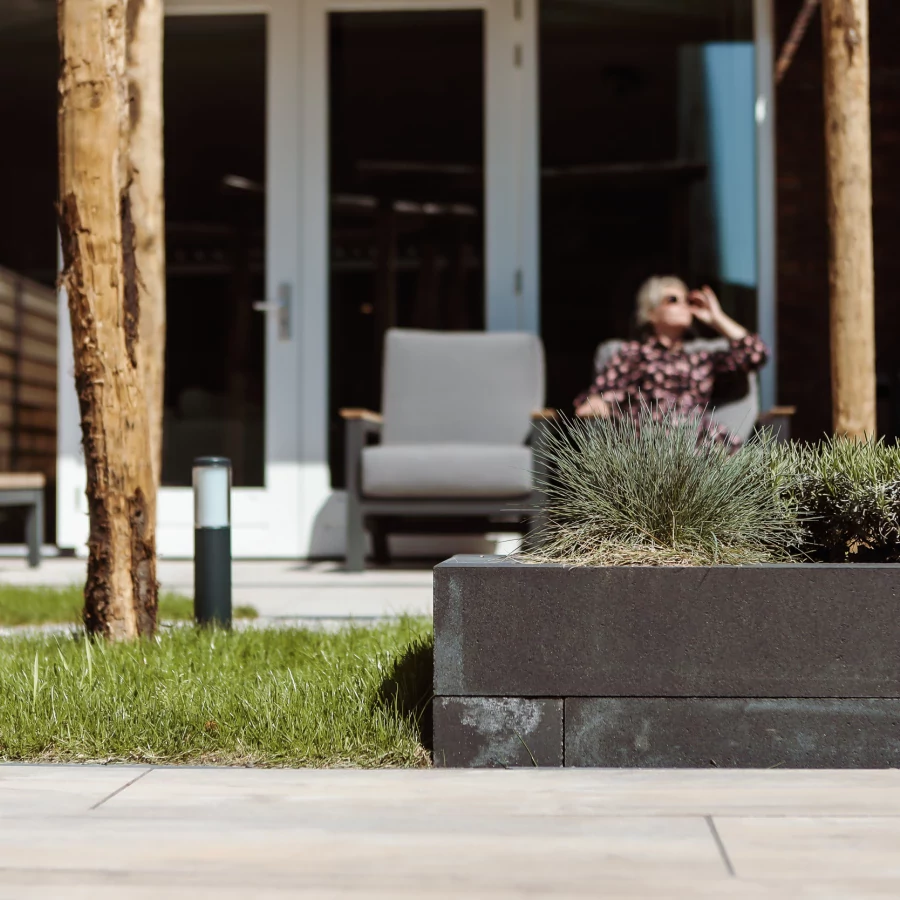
<point x="848" y="141"/>
<point x="96" y="219"/>
<point x="144" y="64"/>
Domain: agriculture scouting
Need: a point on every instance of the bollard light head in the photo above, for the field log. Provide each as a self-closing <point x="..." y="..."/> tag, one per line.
<point x="212" y="492"/>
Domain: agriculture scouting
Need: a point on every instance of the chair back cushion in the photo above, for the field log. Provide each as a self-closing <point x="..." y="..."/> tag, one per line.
<point x="605" y="353"/>
<point x="460" y="387"/>
<point x="735" y="399"/>
<point x="738" y="414"/>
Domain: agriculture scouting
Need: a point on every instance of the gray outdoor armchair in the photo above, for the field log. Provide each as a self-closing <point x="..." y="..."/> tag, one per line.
<point x="459" y="412"/>
<point x="735" y="402"/>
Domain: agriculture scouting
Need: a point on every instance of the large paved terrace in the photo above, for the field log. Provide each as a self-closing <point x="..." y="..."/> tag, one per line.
<point x="122" y="832"/>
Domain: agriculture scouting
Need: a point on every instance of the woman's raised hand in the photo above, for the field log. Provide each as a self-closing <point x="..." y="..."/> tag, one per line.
<point x="705" y="305"/>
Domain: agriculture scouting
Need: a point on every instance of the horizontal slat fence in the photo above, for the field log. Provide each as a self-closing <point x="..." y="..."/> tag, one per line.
<point x="28" y="322"/>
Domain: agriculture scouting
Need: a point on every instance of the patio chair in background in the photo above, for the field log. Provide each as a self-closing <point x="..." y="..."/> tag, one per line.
<point x="459" y="410"/>
<point x="26" y="489"/>
<point x="735" y="400"/>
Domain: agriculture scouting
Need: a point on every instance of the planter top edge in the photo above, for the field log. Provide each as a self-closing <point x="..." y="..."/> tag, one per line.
<point x="485" y="561"/>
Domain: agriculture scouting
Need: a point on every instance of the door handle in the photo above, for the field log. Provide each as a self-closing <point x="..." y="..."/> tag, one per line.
<point x="282" y="308"/>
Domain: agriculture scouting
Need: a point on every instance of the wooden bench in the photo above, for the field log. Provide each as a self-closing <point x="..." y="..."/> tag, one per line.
<point x="27" y="489"/>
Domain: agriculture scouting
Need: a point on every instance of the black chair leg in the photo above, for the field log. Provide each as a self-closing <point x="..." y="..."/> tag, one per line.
<point x="380" y="547"/>
<point x="34" y="531"/>
<point x="355" y="554"/>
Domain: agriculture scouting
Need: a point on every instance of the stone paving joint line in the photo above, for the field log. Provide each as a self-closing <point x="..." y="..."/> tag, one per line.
<point x="721" y="845"/>
<point x="119" y="790"/>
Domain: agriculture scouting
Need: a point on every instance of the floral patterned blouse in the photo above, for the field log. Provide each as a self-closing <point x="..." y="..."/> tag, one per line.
<point x="668" y="379"/>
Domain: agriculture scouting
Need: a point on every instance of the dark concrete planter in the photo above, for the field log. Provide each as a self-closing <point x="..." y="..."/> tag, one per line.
<point x="791" y="665"/>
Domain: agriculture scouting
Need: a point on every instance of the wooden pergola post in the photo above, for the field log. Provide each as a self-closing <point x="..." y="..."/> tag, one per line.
<point x="144" y="70"/>
<point x="848" y="144"/>
<point x="103" y="222"/>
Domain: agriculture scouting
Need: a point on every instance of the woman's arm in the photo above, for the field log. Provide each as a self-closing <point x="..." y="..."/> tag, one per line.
<point x="707" y="310"/>
<point x="618" y="375"/>
<point x="592" y="406"/>
<point x="746" y="353"/>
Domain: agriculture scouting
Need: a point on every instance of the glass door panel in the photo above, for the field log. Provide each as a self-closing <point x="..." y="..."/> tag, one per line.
<point x="215" y="163"/>
<point x="407" y="198"/>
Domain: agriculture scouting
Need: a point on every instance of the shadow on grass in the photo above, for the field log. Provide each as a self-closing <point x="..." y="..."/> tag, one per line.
<point x="408" y="688"/>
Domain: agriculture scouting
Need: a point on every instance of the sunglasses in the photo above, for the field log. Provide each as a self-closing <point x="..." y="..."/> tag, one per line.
<point x="676" y="298"/>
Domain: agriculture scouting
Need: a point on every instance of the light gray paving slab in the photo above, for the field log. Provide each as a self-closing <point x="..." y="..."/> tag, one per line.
<point x="541" y="792"/>
<point x="180" y="886"/>
<point x="203" y="832"/>
<point x="60" y="790"/>
<point x="309" y="854"/>
<point x="831" y="847"/>
<point x="149" y="888"/>
<point x="78" y="888"/>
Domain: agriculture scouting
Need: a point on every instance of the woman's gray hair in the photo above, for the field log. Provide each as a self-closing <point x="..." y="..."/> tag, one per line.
<point x="651" y="294"/>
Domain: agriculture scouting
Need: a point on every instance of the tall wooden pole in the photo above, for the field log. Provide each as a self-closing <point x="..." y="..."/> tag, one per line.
<point x="144" y="61"/>
<point x="848" y="142"/>
<point x="101" y="277"/>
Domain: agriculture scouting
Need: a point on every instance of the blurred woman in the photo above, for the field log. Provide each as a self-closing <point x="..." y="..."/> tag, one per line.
<point x="667" y="374"/>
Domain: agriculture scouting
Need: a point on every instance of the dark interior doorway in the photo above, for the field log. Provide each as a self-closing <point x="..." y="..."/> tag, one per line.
<point x="29" y="69"/>
<point x="29" y="64"/>
<point x="406" y="104"/>
<point x="647" y="139"/>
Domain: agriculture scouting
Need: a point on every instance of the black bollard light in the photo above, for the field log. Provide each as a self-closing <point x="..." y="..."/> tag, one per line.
<point x="212" y="541"/>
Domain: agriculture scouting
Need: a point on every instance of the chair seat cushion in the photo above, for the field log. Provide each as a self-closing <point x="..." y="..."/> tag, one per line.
<point x="456" y="471"/>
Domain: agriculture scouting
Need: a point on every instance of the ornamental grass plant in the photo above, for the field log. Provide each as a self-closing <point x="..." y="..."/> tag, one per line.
<point x="849" y="495"/>
<point x="622" y="491"/>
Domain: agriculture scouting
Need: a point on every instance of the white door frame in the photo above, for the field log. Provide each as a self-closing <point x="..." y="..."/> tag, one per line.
<point x="766" y="196"/>
<point x="265" y="521"/>
<point x="511" y="213"/>
<point x="297" y="514"/>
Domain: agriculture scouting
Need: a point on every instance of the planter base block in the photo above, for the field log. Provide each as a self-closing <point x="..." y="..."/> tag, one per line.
<point x="789" y="665"/>
<point x="667" y="732"/>
<point x="497" y="732"/>
<point x="732" y="733"/>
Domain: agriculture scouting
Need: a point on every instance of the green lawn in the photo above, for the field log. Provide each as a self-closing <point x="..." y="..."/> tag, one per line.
<point x="45" y="606"/>
<point x="294" y="697"/>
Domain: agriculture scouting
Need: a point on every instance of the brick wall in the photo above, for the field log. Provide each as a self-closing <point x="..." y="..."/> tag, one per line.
<point x="802" y="221"/>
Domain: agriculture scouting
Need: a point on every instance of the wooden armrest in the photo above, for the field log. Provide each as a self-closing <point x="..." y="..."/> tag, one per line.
<point x="539" y="414"/>
<point x="779" y="411"/>
<point x="18" y="481"/>
<point x="364" y="415"/>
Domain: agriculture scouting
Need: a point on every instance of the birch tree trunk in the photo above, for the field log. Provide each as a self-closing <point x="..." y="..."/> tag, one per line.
<point x="101" y="277"/>
<point x="848" y="142"/>
<point x="144" y="61"/>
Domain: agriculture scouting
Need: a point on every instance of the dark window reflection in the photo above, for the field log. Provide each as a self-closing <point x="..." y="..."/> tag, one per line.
<point x="215" y="122"/>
